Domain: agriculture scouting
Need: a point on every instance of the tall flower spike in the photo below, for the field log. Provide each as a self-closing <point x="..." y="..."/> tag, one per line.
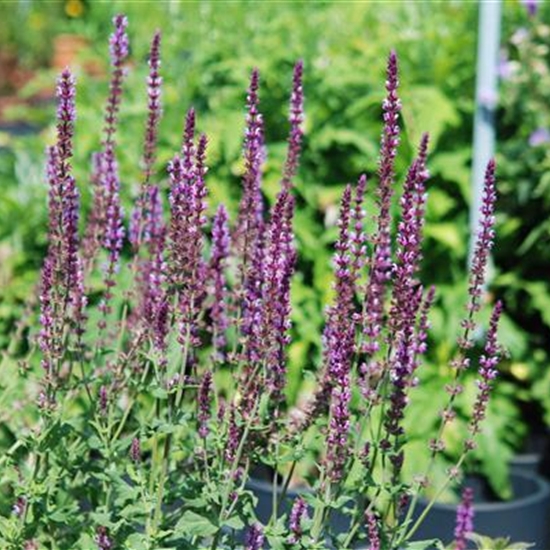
<point x="187" y="208"/>
<point x="278" y="268"/>
<point x="154" y="112"/>
<point x="249" y="236"/>
<point x="380" y="265"/>
<point x="338" y="343"/>
<point x="204" y="404"/>
<point x="484" y="241"/>
<point x="119" y="49"/>
<point x="105" y="224"/>
<point x="296" y="118"/>
<point x="62" y="292"/>
<point x="154" y="108"/>
<point x="297" y="515"/>
<point x="218" y="259"/>
<point x="409" y="240"/>
<point x="464" y="520"/>
<point x="487" y="373"/>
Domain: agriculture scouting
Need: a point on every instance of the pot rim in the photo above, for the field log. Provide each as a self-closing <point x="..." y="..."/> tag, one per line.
<point x="541" y="493"/>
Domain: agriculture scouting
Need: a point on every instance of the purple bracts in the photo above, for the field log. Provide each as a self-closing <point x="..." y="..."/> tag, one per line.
<point x="487" y="372"/>
<point x="119" y="49"/>
<point x="154" y="108"/>
<point x="62" y="291"/>
<point x="135" y="450"/>
<point x="248" y="238"/>
<point x="297" y="515"/>
<point x="250" y="219"/>
<point x="380" y="265"/>
<point x="296" y="118"/>
<point x="103" y="540"/>
<point x="187" y="209"/>
<point x="204" y="404"/>
<point x="373" y="531"/>
<point x="108" y="167"/>
<point x="154" y="303"/>
<point x="154" y="112"/>
<point x="482" y="249"/>
<point x="218" y="259"/>
<point x="464" y="520"/>
<point x="278" y="268"/>
<point x="254" y="539"/>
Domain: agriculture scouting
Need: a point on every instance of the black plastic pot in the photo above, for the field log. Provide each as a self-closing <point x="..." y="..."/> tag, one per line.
<point x="534" y="453"/>
<point x="524" y="518"/>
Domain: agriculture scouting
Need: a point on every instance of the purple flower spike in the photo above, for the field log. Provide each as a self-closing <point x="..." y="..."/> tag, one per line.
<point x="114" y="229"/>
<point x="233" y="437"/>
<point x="532" y="6"/>
<point x="135" y="450"/>
<point x="205" y="398"/>
<point x="373" y="531"/>
<point x="337" y="440"/>
<point x="464" y="520"/>
<point x="296" y="118"/>
<point x="381" y="261"/>
<point x="483" y="246"/>
<point x="251" y="208"/>
<point x="187" y="207"/>
<point x="154" y="82"/>
<point x="119" y="49"/>
<point x="254" y="539"/>
<point x="218" y="259"/>
<point x="278" y="269"/>
<point x="154" y="108"/>
<point x="102" y="539"/>
<point x="297" y="515"/>
<point x="487" y="372"/>
<point x="154" y="305"/>
<point x="62" y="295"/>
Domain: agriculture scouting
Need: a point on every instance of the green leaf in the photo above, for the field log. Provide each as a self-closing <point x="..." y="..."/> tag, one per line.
<point x="195" y="525"/>
<point x="423" y="544"/>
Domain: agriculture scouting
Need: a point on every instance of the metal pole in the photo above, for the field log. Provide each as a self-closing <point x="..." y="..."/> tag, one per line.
<point x="490" y="13"/>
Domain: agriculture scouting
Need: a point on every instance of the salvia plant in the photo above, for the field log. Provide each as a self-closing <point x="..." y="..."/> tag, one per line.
<point x="162" y="390"/>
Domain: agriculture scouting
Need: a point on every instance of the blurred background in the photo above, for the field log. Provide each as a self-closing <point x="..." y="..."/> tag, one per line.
<point x="208" y="51"/>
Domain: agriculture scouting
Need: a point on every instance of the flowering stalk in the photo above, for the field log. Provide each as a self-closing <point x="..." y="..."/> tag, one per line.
<point x="113" y="235"/>
<point x="464" y="520"/>
<point x="487" y="373"/>
<point x="154" y="112"/>
<point x="483" y="246"/>
<point x="218" y="259"/>
<point x="296" y="119"/>
<point x="381" y="260"/>
<point x="297" y="515"/>
<point x="62" y="295"/>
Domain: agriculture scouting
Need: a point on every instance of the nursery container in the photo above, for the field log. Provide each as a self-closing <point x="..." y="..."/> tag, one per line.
<point x="524" y="518"/>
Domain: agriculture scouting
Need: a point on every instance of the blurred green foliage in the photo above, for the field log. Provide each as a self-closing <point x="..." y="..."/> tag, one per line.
<point x="208" y="51"/>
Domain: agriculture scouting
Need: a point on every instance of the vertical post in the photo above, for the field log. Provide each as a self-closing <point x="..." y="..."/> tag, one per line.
<point x="486" y="98"/>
